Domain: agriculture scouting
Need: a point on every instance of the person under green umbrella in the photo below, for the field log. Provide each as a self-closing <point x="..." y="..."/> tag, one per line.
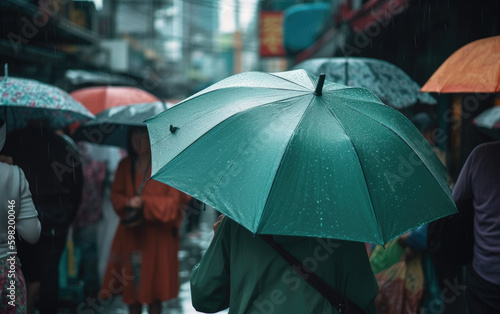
<point x="242" y="272"/>
<point x="296" y="160"/>
<point x="53" y="170"/>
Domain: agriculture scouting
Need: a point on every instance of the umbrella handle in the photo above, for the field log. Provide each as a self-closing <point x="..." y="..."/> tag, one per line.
<point x="5" y="71"/>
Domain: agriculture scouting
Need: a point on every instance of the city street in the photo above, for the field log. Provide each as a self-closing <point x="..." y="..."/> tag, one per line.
<point x="190" y="254"/>
<point x="343" y="151"/>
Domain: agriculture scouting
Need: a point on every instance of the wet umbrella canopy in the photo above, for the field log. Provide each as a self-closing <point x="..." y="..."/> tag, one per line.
<point x="281" y="154"/>
<point x="474" y="68"/>
<point x="111" y="126"/>
<point x="388" y="82"/>
<point x="23" y="100"/>
<point x="99" y="98"/>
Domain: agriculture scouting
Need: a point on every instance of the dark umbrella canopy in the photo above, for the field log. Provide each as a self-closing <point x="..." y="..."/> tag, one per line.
<point x="489" y="122"/>
<point x="111" y="126"/>
<point x="388" y="82"/>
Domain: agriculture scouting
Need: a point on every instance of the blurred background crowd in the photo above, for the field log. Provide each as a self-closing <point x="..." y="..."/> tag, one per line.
<point x="159" y="52"/>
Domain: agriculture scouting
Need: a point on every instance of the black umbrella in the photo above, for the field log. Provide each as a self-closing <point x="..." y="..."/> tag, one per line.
<point x="111" y="126"/>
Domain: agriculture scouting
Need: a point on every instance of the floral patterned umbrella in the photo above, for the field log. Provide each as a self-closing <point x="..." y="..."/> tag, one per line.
<point x="22" y="100"/>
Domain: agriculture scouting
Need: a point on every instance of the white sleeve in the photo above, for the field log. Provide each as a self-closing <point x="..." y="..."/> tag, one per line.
<point x="27" y="224"/>
<point x="26" y="207"/>
<point x="29" y="229"/>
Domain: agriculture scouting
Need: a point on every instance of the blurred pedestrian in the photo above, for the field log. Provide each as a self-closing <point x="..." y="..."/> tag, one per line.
<point x="53" y="169"/>
<point x="18" y="216"/>
<point x="193" y="213"/>
<point x="243" y="272"/>
<point x="88" y="216"/>
<point x="438" y="273"/>
<point x="428" y="127"/>
<point x="143" y="265"/>
<point x="479" y="181"/>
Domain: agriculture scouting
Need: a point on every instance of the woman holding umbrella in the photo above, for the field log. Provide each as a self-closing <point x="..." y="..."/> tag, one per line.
<point x="143" y="265"/>
<point x="18" y="215"/>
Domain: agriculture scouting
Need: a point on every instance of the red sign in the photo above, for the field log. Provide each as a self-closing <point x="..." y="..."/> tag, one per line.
<point x="271" y="34"/>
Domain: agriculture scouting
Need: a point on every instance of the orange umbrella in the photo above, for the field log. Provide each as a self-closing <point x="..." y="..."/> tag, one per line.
<point x="474" y="68"/>
<point x="96" y="99"/>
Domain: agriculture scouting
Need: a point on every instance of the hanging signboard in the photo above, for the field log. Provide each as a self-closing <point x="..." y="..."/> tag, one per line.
<point x="271" y="34"/>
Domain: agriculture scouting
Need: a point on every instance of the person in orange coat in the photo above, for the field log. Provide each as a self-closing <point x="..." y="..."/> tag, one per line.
<point x="143" y="265"/>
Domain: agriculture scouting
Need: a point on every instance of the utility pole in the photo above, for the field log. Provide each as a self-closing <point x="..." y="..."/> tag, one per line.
<point x="238" y="45"/>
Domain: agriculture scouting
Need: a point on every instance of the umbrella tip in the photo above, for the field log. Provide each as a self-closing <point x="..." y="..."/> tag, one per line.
<point x="173" y="129"/>
<point x="319" y="87"/>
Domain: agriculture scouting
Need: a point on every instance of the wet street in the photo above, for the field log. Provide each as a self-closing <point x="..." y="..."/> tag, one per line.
<point x="192" y="247"/>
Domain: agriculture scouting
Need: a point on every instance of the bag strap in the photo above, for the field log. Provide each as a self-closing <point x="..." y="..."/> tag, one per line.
<point x="338" y="301"/>
<point x="132" y="172"/>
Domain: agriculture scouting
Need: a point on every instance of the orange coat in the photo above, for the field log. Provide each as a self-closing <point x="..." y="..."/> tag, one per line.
<point x="157" y="240"/>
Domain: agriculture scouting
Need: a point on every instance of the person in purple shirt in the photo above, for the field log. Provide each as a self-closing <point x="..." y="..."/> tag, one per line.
<point x="479" y="179"/>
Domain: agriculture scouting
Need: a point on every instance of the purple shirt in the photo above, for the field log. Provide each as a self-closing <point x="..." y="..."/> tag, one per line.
<point x="480" y="179"/>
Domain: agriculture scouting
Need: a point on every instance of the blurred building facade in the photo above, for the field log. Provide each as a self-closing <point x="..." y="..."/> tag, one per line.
<point x="41" y="39"/>
<point x="171" y="48"/>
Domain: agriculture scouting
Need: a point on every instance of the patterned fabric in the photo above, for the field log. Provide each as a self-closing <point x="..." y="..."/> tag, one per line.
<point x="388" y="82"/>
<point x="22" y="100"/>
<point x="383" y="257"/>
<point x="19" y="298"/>
<point x="401" y="287"/>
<point x="90" y="210"/>
<point x="400" y="280"/>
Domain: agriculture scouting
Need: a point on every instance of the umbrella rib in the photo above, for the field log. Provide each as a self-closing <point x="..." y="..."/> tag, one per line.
<point x="362" y="169"/>
<point x="213" y="127"/>
<point x="282" y="158"/>
<point x="263" y="104"/>
<point x="234" y="161"/>
<point x="231" y="87"/>
<point x="388" y="128"/>
<point x="380" y="103"/>
<point x="295" y="83"/>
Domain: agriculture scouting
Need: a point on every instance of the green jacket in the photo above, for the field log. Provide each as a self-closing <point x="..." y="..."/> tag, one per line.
<point x="241" y="271"/>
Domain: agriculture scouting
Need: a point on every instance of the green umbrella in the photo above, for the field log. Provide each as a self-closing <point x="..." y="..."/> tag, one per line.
<point x="110" y="126"/>
<point x="281" y="155"/>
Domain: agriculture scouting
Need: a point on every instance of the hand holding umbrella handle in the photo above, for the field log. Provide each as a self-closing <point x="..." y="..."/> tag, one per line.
<point x="135" y="201"/>
<point x="218" y="222"/>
